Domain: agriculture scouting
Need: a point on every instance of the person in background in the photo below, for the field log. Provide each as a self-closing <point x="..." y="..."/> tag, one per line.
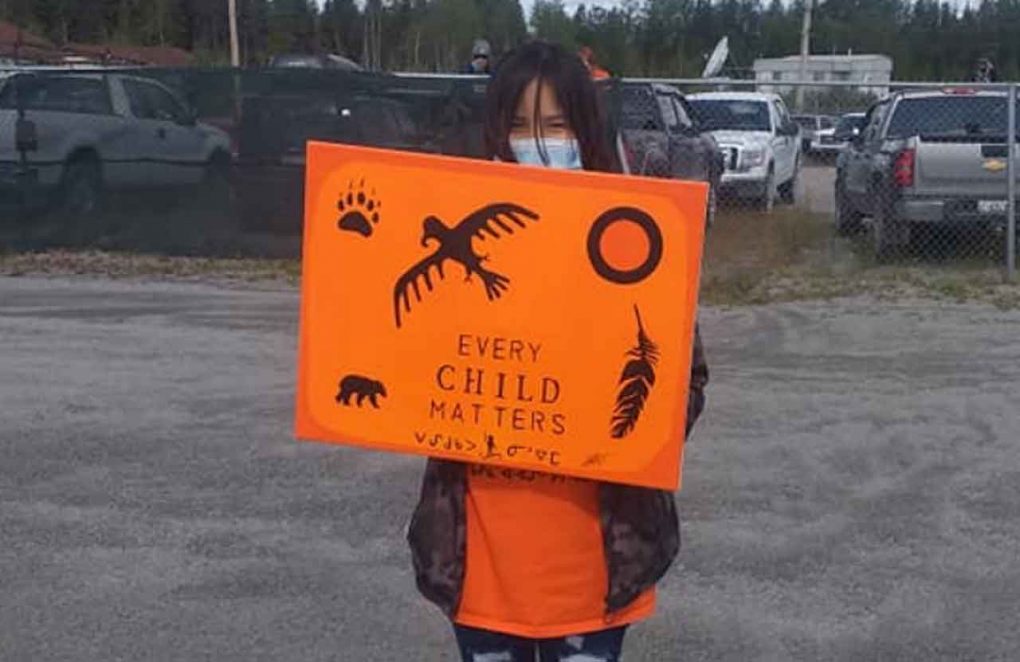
<point x="526" y="564"/>
<point x="588" y="57"/>
<point x="481" y="53"/>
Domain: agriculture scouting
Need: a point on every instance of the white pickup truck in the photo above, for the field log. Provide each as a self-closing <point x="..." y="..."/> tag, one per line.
<point x="71" y="136"/>
<point x="759" y="140"/>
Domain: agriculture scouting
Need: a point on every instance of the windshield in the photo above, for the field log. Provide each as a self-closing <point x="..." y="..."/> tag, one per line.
<point x="806" y="122"/>
<point x="731" y="114"/>
<point x="949" y="116"/>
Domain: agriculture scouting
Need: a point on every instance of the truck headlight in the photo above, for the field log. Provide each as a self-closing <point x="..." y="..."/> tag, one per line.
<point x="753" y="157"/>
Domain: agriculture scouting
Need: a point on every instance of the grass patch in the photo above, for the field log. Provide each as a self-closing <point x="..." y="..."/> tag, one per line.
<point x="136" y="265"/>
<point x="750" y="259"/>
<point x="791" y="255"/>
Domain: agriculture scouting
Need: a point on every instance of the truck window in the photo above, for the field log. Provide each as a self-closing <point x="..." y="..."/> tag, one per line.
<point x="151" y="102"/>
<point x="875" y="118"/>
<point x="62" y="94"/>
<point x="963" y="115"/>
<point x="782" y="116"/>
<point x="639" y="111"/>
<point x="682" y="114"/>
<point x="668" y="113"/>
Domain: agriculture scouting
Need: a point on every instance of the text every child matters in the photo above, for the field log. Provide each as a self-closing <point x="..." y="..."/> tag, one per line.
<point x="513" y="399"/>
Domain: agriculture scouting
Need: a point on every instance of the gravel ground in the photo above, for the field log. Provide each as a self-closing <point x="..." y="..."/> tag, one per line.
<point x="851" y="494"/>
<point x="815" y="193"/>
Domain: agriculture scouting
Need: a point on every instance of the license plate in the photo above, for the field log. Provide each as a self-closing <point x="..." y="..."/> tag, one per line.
<point x="992" y="206"/>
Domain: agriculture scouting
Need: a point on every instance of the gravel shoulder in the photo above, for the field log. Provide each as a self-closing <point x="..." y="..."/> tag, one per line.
<point x="851" y="492"/>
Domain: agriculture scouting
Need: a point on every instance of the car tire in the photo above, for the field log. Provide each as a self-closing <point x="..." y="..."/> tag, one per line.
<point x="77" y="217"/>
<point x="846" y="219"/>
<point x="767" y="201"/>
<point x="218" y="198"/>
<point x="889" y="235"/>
<point x="217" y="185"/>
<point x="81" y="189"/>
<point x="788" y="191"/>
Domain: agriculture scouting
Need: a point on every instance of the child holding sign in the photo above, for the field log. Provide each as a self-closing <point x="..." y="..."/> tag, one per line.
<point x="528" y="564"/>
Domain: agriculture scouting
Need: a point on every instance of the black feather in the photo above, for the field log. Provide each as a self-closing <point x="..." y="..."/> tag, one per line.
<point x="636" y="382"/>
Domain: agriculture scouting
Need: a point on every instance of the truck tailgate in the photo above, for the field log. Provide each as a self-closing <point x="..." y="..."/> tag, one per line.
<point x="960" y="169"/>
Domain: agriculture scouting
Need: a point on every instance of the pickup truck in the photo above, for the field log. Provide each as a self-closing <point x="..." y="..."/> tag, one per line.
<point x="277" y="123"/>
<point x="67" y="138"/>
<point x="923" y="160"/>
<point x="660" y="137"/>
<point x="760" y="142"/>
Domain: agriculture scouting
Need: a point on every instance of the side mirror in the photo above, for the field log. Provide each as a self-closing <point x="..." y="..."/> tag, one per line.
<point x="26" y="136"/>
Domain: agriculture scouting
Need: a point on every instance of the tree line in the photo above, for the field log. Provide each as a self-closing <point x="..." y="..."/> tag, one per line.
<point x="927" y="39"/>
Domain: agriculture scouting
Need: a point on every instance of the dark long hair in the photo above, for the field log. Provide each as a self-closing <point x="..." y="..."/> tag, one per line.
<point x="574" y="89"/>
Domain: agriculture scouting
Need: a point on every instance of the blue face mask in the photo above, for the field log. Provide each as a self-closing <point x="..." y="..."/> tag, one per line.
<point x="561" y="153"/>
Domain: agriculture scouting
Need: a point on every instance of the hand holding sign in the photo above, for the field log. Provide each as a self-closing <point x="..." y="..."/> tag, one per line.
<point x="499" y="314"/>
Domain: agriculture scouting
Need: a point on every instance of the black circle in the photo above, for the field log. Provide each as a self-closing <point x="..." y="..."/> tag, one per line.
<point x="652" y="231"/>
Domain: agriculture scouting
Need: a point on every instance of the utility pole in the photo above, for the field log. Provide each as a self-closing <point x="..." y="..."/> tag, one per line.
<point x="235" y="50"/>
<point x="805" y="50"/>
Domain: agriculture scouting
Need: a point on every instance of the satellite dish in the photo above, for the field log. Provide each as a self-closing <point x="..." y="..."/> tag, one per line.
<point x="718" y="58"/>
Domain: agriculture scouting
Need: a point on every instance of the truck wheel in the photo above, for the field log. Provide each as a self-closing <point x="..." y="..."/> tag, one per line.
<point x="847" y="221"/>
<point x="77" y="217"/>
<point x="217" y="184"/>
<point x="788" y="191"/>
<point x="81" y="189"/>
<point x="217" y="198"/>
<point x="767" y="201"/>
<point x="889" y="235"/>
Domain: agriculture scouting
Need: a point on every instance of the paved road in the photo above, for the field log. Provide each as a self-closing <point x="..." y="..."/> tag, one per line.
<point x="851" y="494"/>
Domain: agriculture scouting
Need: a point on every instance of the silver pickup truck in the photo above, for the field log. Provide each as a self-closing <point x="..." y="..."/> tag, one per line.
<point x="925" y="159"/>
<point x="68" y="137"/>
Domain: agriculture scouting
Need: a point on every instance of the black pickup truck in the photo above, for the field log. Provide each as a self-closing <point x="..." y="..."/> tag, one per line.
<point x="658" y="135"/>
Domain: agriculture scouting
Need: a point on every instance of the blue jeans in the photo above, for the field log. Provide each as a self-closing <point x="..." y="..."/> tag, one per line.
<point x="485" y="646"/>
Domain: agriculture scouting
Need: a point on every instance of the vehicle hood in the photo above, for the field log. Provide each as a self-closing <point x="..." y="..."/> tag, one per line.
<point x="742" y="138"/>
<point x="826" y="132"/>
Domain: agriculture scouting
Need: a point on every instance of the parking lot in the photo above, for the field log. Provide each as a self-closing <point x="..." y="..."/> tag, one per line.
<point x="851" y="493"/>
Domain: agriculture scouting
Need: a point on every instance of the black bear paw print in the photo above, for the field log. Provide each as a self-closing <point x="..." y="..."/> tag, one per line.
<point x="359" y="211"/>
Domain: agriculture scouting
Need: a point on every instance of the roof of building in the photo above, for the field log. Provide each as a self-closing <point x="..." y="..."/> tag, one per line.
<point x="733" y="96"/>
<point x="10" y="35"/>
<point x="158" y="56"/>
<point x="824" y="60"/>
<point x="34" y="48"/>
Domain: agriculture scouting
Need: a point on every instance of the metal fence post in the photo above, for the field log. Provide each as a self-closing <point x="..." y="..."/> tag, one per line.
<point x="1011" y="186"/>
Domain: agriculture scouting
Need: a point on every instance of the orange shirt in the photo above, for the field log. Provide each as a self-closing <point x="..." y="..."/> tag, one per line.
<point x="535" y="562"/>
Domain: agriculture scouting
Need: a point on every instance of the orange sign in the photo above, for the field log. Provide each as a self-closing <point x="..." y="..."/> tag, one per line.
<point x="496" y="313"/>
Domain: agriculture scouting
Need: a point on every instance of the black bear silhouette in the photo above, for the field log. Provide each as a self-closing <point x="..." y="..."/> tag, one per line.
<point x="359" y="211"/>
<point x="360" y="388"/>
<point x="494" y="221"/>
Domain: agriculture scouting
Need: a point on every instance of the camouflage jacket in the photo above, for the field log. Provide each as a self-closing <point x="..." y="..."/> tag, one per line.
<point x="640" y="529"/>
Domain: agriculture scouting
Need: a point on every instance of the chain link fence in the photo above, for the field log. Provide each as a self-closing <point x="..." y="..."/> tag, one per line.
<point x="212" y="161"/>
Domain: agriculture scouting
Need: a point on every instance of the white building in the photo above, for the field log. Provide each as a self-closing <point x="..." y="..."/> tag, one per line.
<point x="873" y="72"/>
